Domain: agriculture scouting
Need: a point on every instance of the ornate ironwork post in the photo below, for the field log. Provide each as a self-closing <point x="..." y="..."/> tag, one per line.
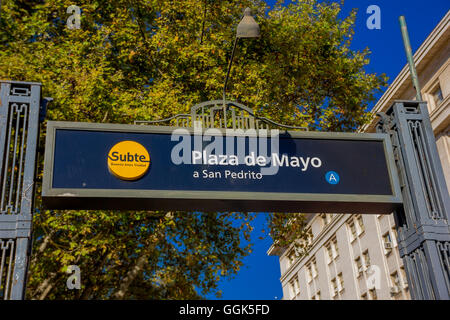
<point x="19" y="131"/>
<point x="422" y="224"/>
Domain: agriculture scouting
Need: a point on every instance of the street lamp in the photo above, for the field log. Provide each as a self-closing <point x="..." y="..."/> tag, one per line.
<point x="247" y="28"/>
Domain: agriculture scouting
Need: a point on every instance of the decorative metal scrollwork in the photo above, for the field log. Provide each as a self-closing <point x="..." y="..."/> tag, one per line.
<point x="221" y="114"/>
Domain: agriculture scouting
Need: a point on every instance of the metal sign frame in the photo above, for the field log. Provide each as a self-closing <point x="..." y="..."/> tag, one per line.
<point x="214" y="200"/>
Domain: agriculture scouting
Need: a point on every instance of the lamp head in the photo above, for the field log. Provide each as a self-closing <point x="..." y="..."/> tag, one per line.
<point x="247" y="28"/>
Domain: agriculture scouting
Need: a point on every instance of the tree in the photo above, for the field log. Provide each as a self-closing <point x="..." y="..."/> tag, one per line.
<point x="148" y="60"/>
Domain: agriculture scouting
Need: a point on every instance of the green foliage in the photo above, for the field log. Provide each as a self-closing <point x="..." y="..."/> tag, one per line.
<point x="152" y="59"/>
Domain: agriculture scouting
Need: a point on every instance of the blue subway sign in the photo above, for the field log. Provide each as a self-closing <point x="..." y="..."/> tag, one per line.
<point x="112" y="166"/>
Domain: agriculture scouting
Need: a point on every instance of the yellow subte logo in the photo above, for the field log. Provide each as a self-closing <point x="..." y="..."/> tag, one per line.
<point x="128" y="160"/>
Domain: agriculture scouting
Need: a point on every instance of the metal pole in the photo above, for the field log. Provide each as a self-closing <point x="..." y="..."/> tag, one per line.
<point x="409" y="56"/>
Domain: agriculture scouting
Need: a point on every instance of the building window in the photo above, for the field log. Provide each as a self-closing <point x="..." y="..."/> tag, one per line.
<point x="334" y="287"/>
<point x="329" y="253"/>
<point x="361" y="227"/>
<point x="326" y="219"/>
<point x="337" y="285"/>
<point x="373" y="294"/>
<point x="387" y="242"/>
<point x="340" y="282"/>
<point x="396" y="285"/>
<point x="352" y="231"/>
<point x="366" y="258"/>
<point x="291" y="290"/>
<point x="309" y="273"/>
<point x="291" y="258"/>
<point x="295" y="287"/>
<point x="356" y="227"/>
<point x="395" y="279"/>
<point x="310" y="238"/>
<point x="437" y="96"/>
<point x="316" y="296"/>
<point x="314" y="269"/>
<point x="332" y="250"/>
<point x="404" y="278"/>
<point x="359" y="266"/>
<point x="394" y="236"/>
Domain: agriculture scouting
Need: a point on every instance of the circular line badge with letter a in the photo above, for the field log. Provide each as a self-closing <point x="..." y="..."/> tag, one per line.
<point x="332" y="177"/>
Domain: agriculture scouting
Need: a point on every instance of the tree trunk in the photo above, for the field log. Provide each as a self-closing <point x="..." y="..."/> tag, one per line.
<point x="131" y="275"/>
<point x="46" y="291"/>
<point x="43" y="286"/>
<point x="89" y="286"/>
<point x="43" y="246"/>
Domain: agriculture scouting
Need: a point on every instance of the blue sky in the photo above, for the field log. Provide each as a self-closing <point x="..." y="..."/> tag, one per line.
<point x="259" y="278"/>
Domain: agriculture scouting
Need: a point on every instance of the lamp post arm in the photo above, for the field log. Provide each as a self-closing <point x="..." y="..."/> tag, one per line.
<point x="228" y="72"/>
